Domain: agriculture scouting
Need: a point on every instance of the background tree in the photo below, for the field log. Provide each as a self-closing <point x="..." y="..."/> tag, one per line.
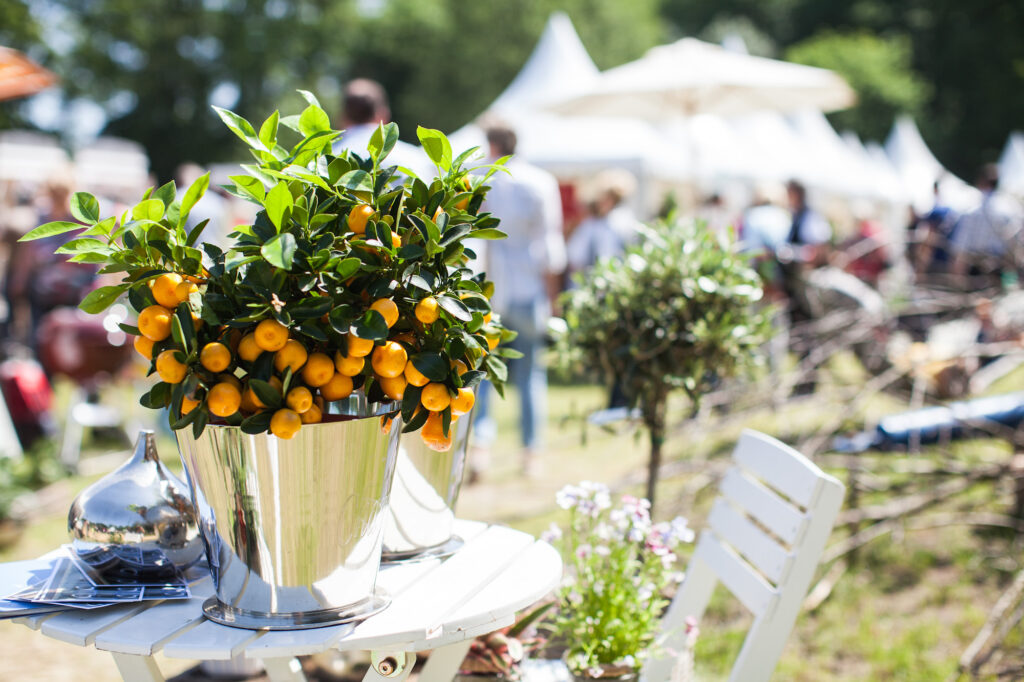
<point x="877" y="68"/>
<point x="678" y="312"/>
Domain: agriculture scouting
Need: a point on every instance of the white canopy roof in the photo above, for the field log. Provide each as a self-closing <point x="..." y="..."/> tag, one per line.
<point x="690" y="76"/>
<point x="31" y="157"/>
<point x="919" y="169"/>
<point x="569" y="144"/>
<point x="1011" y="165"/>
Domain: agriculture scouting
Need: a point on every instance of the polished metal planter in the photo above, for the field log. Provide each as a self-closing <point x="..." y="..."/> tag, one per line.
<point x="421" y="514"/>
<point x="293" y="527"/>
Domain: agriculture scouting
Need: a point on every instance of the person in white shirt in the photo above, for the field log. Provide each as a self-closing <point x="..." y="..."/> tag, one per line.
<point x="364" y="108"/>
<point x="524" y="268"/>
<point x="610" y="227"/>
<point x="986" y="241"/>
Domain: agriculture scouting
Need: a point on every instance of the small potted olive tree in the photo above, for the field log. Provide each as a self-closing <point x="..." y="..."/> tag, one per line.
<point x="680" y="310"/>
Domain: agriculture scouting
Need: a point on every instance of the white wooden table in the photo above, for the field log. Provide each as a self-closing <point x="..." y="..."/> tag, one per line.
<point x="438" y="605"/>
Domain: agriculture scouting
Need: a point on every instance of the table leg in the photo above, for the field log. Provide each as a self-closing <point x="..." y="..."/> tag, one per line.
<point x="444" y="662"/>
<point x="284" y="670"/>
<point x="137" y="668"/>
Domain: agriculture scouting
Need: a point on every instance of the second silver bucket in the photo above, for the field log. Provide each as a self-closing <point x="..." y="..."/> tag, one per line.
<point x="421" y="515"/>
<point x="292" y="527"/>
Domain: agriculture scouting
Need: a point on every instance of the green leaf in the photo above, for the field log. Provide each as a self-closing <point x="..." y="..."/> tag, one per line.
<point x="309" y="97"/>
<point x="76" y="246"/>
<point x="249" y="186"/>
<point x="100" y="299"/>
<point x="257" y="423"/>
<point x="150" y="209"/>
<point x="348" y="267"/>
<point x="278" y="201"/>
<point x="436" y="145"/>
<point x="166" y="193"/>
<point x="85" y="207"/>
<point x="496" y="368"/>
<point x="370" y="326"/>
<point x="268" y="131"/>
<point x="240" y="127"/>
<point x="357" y="181"/>
<point x="488" y="233"/>
<point x="192" y="196"/>
<point x="280" y="251"/>
<point x="455" y="308"/>
<point x="50" y="229"/>
<point x="313" y="120"/>
<point x="431" y="365"/>
<point x="382" y="141"/>
<point x="157" y="397"/>
<point x="267" y="394"/>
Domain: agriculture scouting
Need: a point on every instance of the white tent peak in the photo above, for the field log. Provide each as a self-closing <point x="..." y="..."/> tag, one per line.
<point x="559" y="62"/>
<point x="920" y="170"/>
<point x="1011" y="164"/>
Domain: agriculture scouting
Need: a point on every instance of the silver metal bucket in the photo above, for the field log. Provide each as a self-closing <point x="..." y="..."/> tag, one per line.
<point x="421" y="513"/>
<point x="293" y="527"/>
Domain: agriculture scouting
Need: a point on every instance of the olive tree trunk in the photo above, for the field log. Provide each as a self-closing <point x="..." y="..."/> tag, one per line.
<point x="654" y="409"/>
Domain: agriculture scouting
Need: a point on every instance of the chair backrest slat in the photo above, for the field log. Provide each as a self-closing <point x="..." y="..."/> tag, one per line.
<point x="778" y="465"/>
<point x="755" y="545"/>
<point x="736" y="574"/>
<point x="777" y="515"/>
<point x="737" y="551"/>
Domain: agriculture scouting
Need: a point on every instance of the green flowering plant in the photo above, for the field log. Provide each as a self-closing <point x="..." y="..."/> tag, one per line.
<point x="620" y="565"/>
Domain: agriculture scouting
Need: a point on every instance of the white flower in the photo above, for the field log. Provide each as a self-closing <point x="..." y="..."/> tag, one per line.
<point x="680" y="530"/>
<point x="552" y="534"/>
<point x="627" y="661"/>
<point x="602" y="550"/>
<point x="568" y="497"/>
<point x="583" y="551"/>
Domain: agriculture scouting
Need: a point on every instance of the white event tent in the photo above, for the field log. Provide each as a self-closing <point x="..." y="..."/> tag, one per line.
<point x="569" y="146"/>
<point x="919" y="170"/>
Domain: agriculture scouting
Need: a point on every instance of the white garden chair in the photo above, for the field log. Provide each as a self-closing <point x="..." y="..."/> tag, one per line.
<point x="766" y="532"/>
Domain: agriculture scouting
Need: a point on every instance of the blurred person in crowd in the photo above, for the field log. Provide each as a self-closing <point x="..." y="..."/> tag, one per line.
<point x="525" y="269"/>
<point x="930" y="235"/>
<point x="805" y="248"/>
<point x="36" y="274"/>
<point x="865" y="255"/>
<point x="365" y="107"/>
<point x="212" y="207"/>
<point x="763" y="228"/>
<point x="986" y="243"/>
<point x="714" y="213"/>
<point x="611" y="225"/>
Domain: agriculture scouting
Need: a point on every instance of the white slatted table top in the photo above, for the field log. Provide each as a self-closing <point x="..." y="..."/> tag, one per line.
<point x="435" y="603"/>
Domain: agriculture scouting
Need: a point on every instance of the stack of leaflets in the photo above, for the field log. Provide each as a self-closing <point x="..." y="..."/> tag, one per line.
<point x="65" y="579"/>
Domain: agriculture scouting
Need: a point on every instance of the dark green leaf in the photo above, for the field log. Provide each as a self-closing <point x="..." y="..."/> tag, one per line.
<point x="267" y="394"/>
<point x="431" y="365"/>
<point x="383" y="141"/>
<point x="455" y="308"/>
<point x="157" y="397"/>
<point x="257" y="423"/>
<point x="370" y="326"/>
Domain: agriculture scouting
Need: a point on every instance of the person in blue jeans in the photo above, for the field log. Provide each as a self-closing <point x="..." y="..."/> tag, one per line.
<point x="524" y="268"/>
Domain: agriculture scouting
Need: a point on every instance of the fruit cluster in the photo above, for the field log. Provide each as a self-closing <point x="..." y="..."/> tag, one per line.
<point x="354" y="277"/>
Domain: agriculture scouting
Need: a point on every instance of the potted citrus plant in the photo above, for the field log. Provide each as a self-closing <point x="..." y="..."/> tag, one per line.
<point x="347" y="299"/>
